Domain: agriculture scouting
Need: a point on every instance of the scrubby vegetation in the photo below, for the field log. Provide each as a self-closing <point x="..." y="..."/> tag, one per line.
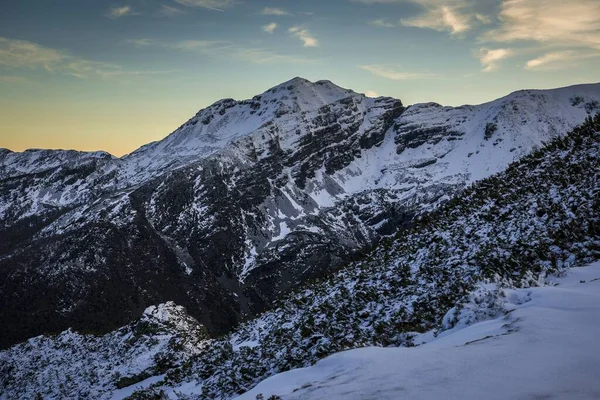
<point x="540" y="216"/>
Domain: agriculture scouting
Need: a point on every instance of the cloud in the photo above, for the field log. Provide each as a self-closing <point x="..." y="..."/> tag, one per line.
<point x="229" y="49"/>
<point x="215" y="5"/>
<point x="370" y="93"/>
<point x="304" y="35"/>
<point x="169" y="11"/>
<point x="265" y="56"/>
<point x="199" y="45"/>
<point x="274" y="11"/>
<point x="485" y="19"/>
<point x="377" y="1"/>
<point x="382" y="23"/>
<point x="574" y="23"/>
<point x="450" y="16"/>
<point x="548" y="60"/>
<point x="8" y="79"/>
<point x="25" y="54"/>
<point x="564" y="32"/>
<point x="453" y="16"/>
<point x="140" y="42"/>
<point x="558" y="60"/>
<point x="490" y="58"/>
<point x="118" y="12"/>
<point x="270" y="28"/>
<point x="388" y="72"/>
<point x="22" y="53"/>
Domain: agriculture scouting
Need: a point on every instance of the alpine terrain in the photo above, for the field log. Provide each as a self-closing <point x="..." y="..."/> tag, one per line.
<point x="267" y="234"/>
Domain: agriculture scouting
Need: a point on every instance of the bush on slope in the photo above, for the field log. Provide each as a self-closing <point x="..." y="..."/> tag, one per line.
<point x="540" y="216"/>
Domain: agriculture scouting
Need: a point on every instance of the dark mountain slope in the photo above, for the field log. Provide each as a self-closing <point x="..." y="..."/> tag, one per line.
<point x="540" y="216"/>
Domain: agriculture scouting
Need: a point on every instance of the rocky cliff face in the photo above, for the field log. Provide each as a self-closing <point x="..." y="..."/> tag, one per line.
<point x="244" y="201"/>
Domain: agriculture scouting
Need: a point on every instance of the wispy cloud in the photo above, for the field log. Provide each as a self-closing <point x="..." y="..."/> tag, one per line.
<point x="140" y="42"/>
<point x="274" y="11"/>
<point x="22" y="53"/>
<point x="377" y="1"/>
<point x="565" y="33"/>
<point x="304" y="35"/>
<point x="382" y="23"/>
<point x="559" y="60"/>
<point x="266" y="56"/>
<point x="169" y="11"/>
<point x="454" y="16"/>
<point x="485" y="19"/>
<point x="199" y="45"/>
<point x="270" y="28"/>
<point x="215" y="5"/>
<point x="450" y="16"/>
<point x="251" y="54"/>
<point x="25" y="54"/>
<point x="371" y="93"/>
<point x="490" y="58"/>
<point x="119" y="12"/>
<point x="549" y="60"/>
<point x="574" y="23"/>
<point x="9" y="79"/>
<point x="393" y="73"/>
<point x="214" y="48"/>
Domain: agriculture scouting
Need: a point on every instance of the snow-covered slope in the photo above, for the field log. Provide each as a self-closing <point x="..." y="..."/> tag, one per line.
<point x="246" y="200"/>
<point x="427" y="144"/>
<point x="473" y="259"/>
<point x="482" y="140"/>
<point x="227" y="120"/>
<point x="459" y="265"/>
<point x="37" y="160"/>
<point x="163" y="337"/>
<point x="545" y="345"/>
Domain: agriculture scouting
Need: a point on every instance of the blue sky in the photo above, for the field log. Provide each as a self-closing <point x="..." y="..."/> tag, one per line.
<point x="116" y="74"/>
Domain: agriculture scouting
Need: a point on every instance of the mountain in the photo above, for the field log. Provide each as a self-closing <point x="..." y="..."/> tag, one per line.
<point x="478" y="257"/>
<point x="244" y="202"/>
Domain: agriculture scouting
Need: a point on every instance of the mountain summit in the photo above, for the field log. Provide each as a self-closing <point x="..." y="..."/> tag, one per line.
<point x="227" y="120"/>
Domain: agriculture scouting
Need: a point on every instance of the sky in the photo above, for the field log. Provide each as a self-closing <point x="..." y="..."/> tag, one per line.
<point x="116" y="74"/>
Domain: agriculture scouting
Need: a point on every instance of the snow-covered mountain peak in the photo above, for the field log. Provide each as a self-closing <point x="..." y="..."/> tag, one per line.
<point x="283" y="110"/>
<point x="299" y="84"/>
<point x="304" y="95"/>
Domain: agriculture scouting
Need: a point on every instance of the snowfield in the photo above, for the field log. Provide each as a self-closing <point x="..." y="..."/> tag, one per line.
<point x="546" y="346"/>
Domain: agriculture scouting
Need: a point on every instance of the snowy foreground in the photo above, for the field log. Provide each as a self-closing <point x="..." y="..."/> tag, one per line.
<point x="546" y="347"/>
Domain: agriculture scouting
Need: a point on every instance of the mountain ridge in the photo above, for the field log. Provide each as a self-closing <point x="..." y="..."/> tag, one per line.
<point x="261" y="204"/>
<point x="569" y="87"/>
